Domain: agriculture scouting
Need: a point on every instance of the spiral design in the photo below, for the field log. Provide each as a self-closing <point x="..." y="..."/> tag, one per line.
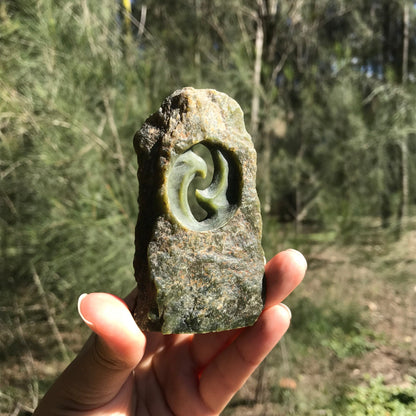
<point x="204" y="187"/>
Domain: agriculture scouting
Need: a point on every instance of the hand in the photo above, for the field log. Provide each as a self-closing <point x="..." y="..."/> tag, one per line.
<point x="123" y="371"/>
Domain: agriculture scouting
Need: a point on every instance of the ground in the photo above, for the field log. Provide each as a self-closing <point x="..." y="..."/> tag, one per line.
<point x="357" y="310"/>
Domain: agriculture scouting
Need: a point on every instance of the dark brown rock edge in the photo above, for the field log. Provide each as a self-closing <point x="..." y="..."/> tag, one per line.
<point x="189" y="281"/>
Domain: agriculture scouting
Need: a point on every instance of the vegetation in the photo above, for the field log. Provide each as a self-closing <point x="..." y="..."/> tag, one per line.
<point x="328" y="88"/>
<point x="378" y="398"/>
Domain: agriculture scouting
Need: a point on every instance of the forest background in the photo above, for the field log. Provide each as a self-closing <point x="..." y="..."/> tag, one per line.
<point x="328" y="88"/>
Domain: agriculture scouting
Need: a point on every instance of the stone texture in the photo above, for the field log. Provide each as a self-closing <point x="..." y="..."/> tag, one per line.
<point x="198" y="262"/>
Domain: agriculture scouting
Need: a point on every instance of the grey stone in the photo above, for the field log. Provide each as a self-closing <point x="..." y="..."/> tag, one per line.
<point x="199" y="263"/>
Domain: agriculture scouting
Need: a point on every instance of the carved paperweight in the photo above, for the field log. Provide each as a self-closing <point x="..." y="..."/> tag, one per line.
<point x="198" y="263"/>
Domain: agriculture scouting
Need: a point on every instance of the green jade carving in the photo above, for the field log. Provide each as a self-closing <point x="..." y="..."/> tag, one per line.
<point x="198" y="186"/>
<point x="198" y="262"/>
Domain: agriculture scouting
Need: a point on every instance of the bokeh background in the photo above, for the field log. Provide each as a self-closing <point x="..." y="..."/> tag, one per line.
<point x="328" y="88"/>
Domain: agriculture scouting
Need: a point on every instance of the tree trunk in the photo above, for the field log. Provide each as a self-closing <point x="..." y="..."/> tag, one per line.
<point x="142" y="23"/>
<point x="267" y="180"/>
<point x="255" y="101"/>
<point x="197" y="48"/>
<point x="264" y="145"/>
<point x="403" y="210"/>
<point x="405" y="179"/>
<point x="298" y="193"/>
<point x="405" y="60"/>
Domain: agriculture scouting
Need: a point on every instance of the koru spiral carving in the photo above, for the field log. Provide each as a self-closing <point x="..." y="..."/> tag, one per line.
<point x="204" y="187"/>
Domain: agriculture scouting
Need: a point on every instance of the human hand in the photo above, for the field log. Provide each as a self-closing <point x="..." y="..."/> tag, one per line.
<point x="124" y="371"/>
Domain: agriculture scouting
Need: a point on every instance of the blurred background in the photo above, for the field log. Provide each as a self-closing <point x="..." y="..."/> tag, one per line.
<point x="328" y="88"/>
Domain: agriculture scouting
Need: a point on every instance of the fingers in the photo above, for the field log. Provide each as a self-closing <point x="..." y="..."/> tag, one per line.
<point x="283" y="272"/>
<point x="101" y="369"/>
<point x="176" y="374"/>
<point x="205" y="346"/>
<point x="232" y="356"/>
<point x="230" y="369"/>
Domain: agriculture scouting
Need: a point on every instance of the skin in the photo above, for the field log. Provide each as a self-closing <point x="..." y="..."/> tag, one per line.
<point x="124" y="371"/>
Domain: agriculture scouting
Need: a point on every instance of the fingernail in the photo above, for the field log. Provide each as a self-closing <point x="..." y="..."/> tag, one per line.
<point x="300" y="256"/>
<point x="287" y="309"/>
<point x="80" y="299"/>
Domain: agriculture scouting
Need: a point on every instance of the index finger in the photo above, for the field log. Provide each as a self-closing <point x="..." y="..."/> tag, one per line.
<point x="283" y="273"/>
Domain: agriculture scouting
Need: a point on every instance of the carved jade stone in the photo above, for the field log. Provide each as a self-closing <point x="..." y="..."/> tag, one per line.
<point x="198" y="262"/>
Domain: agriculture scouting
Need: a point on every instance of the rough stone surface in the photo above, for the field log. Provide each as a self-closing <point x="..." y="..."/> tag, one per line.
<point x="198" y="263"/>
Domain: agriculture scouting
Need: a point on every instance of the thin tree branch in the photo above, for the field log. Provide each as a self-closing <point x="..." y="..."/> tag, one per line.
<point x="48" y="310"/>
<point x="112" y="124"/>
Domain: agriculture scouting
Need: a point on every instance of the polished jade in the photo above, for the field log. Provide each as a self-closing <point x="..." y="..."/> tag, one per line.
<point x="197" y="188"/>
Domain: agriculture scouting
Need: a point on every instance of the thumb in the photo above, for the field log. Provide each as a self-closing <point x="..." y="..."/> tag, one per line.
<point x="103" y="366"/>
<point x="120" y="343"/>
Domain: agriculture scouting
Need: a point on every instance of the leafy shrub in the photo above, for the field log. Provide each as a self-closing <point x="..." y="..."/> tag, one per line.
<point x="379" y="399"/>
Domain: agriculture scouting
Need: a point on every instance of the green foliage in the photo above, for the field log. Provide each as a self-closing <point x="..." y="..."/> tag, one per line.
<point x="69" y="109"/>
<point x="377" y="398"/>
